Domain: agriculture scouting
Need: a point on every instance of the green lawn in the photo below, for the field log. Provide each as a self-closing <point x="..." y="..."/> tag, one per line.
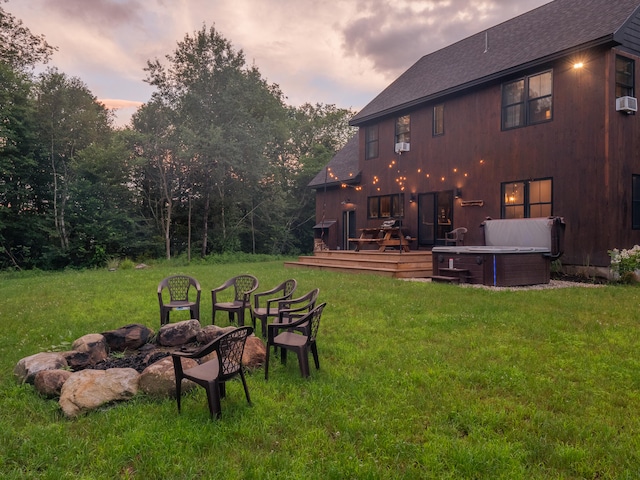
<point x="417" y="380"/>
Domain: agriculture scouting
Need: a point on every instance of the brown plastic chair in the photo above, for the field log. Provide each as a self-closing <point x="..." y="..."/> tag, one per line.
<point x="213" y="374"/>
<point x="455" y="237"/>
<point x="301" y="343"/>
<point x="243" y="287"/>
<point x="293" y="309"/>
<point x="178" y="287"/>
<point x="265" y="304"/>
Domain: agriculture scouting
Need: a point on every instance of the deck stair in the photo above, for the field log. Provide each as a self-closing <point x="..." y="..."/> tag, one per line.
<point x="451" y="275"/>
<point x="396" y="264"/>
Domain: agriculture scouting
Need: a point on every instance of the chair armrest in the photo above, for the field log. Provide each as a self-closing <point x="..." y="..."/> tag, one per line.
<point x="224" y="286"/>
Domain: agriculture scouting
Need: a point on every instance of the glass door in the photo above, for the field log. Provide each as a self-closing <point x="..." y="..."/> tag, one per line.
<point x="435" y="217"/>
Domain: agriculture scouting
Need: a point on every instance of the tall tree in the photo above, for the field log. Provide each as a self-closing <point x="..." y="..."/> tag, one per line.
<point x="70" y="119"/>
<point x="19" y="48"/>
<point x="225" y="117"/>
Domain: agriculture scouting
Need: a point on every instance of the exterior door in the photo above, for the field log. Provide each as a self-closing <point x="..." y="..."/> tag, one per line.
<point x="435" y="217"/>
<point x="348" y="229"/>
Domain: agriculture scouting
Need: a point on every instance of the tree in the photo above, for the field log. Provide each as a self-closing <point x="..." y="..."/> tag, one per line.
<point x="19" y="48"/>
<point x="70" y="119"/>
<point x="224" y="118"/>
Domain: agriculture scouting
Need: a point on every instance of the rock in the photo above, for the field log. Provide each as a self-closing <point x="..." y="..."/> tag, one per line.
<point x="77" y="360"/>
<point x="129" y="337"/>
<point x="179" y="333"/>
<point x="94" y="344"/>
<point x="211" y="332"/>
<point x="159" y="379"/>
<point x="49" y="382"/>
<point x="26" y="369"/>
<point x="89" y="389"/>
<point x="255" y="352"/>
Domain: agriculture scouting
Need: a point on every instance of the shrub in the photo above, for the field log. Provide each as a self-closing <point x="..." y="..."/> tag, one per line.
<point x="625" y="262"/>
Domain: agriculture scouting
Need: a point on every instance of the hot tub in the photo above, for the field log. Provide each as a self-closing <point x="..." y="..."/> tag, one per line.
<point x="535" y="242"/>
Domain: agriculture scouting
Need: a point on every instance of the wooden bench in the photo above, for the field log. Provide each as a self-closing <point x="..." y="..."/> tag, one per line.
<point x="363" y="241"/>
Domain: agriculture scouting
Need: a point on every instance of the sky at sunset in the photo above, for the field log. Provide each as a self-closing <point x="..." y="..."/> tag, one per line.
<point x="341" y="52"/>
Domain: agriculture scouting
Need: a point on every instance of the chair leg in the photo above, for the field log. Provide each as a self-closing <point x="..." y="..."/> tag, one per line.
<point x="266" y="363"/>
<point x="230" y="317"/>
<point x="178" y="392"/>
<point x="283" y="356"/>
<point x="246" y="389"/>
<point x="241" y="318"/>
<point x="314" y="351"/>
<point x="303" y="362"/>
<point x="213" y="399"/>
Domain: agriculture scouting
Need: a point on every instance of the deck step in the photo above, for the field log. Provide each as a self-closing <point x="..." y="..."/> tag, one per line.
<point x="445" y="279"/>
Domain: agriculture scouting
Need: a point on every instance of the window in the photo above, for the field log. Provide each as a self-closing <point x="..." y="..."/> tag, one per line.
<point x="527" y="101"/>
<point x="625" y="78"/>
<point x="527" y="199"/>
<point x="403" y="129"/>
<point x="371" y="142"/>
<point x="635" y="202"/>
<point x="386" y="206"/>
<point x="438" y="120"/>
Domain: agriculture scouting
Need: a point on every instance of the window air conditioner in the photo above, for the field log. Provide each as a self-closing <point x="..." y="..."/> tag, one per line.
<point x="402" y="147"/>
<point x="627" y="104"/>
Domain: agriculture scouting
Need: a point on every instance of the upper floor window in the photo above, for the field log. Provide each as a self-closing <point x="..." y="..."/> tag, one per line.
<point x="386" y="206"/>
<point x="527" y="101"/>
<point x="403" y="129"/>
<point x="371" y="142"/>
<point x="438" y="120"/>
<point x="527" y="199"/>
<point x="625" y="77"/>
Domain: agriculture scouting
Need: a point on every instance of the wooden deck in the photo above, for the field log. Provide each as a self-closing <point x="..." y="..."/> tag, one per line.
<point x="415" y="264"/>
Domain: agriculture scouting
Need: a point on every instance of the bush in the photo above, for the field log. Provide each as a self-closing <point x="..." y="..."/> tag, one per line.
<point x="624" y="263"/>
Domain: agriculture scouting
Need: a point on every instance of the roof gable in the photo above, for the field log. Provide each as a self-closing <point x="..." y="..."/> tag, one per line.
<point x="343" y="167"/>
<point x="550" y="31"/>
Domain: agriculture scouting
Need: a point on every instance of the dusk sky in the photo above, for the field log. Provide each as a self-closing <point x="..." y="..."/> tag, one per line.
<point x="341" y="52"/>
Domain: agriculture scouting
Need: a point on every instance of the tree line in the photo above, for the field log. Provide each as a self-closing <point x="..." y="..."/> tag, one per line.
<point x="215" y="161"/>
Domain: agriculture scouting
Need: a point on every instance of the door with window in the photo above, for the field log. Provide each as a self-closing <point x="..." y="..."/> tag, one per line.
<point x="348" y="229"/>
<point x="435" y="217"/>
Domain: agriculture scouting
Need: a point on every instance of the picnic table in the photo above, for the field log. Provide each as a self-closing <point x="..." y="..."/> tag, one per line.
<point x="383" y="237"/>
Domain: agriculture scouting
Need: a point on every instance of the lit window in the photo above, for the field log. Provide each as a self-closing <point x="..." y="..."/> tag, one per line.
<point x="403" y="129"/>
<point x="386" y="206"/>
<point x="527" y="199"/>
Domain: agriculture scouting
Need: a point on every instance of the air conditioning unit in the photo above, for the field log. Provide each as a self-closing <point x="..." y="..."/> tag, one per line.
<point x="627" y="104"/>
<point x="402" y="147"/>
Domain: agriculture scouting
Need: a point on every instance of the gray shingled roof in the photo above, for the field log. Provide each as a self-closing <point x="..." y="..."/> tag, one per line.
<point x="541" y="35"/>
<point x="343" y="167"/>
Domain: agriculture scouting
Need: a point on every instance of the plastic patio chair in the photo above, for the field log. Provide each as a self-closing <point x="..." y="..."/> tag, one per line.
<point x="293" y="309"/>
<point x="300" y="343"/>
<point x="265" y="304"/>
<point x="455" y="237"/>
<point x="178" y="287"/>
<point x="243" y="286"/>
<point x="213" y="374"/>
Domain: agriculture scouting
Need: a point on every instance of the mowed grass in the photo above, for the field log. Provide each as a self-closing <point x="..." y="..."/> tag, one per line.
<point x="417" y="380"/>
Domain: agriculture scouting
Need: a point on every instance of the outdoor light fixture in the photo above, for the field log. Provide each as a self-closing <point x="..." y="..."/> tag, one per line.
<point x="412" y="198"/>
<point x="458" y="193"/>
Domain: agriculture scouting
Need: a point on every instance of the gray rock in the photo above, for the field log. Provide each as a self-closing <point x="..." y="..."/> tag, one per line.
<point x="26" y="369"/>
<point x="179" y="333"/>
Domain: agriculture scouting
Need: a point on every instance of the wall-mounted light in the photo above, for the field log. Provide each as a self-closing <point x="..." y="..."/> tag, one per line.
<point x="412" y="198"/>
<point x="458" y="193"/>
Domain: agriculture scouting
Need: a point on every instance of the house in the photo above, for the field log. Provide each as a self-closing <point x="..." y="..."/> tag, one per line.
<point x="533" y="117"/>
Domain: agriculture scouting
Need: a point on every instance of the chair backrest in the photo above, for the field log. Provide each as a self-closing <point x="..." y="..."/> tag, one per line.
<point x="314" y="321"/>
<point x="230" y="348"/>
<point x="288" y="287"/>
<point x="178" y="286"/>
<point x="244" y="285"/>
<point x="295" y="307"/>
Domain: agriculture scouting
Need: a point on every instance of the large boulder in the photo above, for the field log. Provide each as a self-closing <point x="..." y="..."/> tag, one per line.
<point x="26" y="369"/>
<point x="93" y="344"/>
<point x="255" y="353"/>
<point x="90" y="389"/>
<point x="49" y="382"/>
<point x="211" y="332"/>
<point x="159" y="379"/>
<point x="179" y="333"/>
<point x="129" y="337"/>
